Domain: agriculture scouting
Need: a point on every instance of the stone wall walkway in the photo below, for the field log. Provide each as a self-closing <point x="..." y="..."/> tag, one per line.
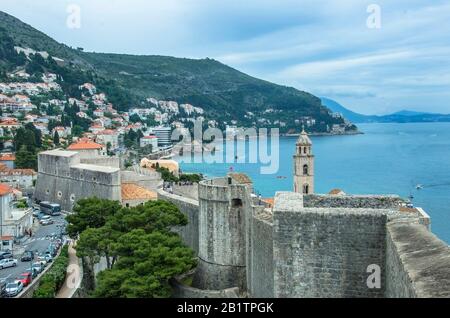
<point x="73" y="278"/>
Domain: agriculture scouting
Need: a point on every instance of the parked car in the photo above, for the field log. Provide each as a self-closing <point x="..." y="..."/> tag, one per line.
<point x="6" y="255"/>
<point x="36" y="213"/>
<point x="38" y="267"/>
<point x="26" y="278"/>
<point x="34" y="272"/>
<point x="2" y="289"/>
<point x="46" y="222"/>
<point x="6" y="263"/>
<point x="27" y="256"/>
<point x="51" y="250"/>
<point x="14" y="289"/>
<point x="48" y="258"/>
<point x="41" y="260"/>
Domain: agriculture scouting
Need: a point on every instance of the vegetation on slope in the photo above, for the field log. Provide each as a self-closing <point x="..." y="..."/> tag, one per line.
<point x="225" y="93"/>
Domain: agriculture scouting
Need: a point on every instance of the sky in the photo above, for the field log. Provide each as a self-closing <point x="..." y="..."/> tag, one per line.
<point x="400" y="60"/>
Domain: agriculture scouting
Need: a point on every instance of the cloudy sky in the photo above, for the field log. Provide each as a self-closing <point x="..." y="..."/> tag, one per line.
<point x="324" y="47"/>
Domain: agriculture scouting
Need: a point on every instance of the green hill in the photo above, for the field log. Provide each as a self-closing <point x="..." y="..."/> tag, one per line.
<point x="223" y="92"/>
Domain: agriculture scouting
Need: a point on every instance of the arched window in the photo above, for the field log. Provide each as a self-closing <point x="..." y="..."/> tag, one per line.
<point x="305" y="189"/>
<point x="305" y="150"/>
<point x="236" y="203"/>
<point x="305" y="170"/>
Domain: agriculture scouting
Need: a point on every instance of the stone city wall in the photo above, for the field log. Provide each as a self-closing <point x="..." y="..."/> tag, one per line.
<point x="188" y="207"/>
<point x="352" y="201"/>
<point x="417" y="262"/>
<point x="326" y="252"/>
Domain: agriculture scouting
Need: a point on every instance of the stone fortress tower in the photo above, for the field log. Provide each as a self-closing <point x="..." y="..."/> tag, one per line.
<point x="306" y="245"/>
<point x="223" y="203"/>
<point x="304" y="165"/>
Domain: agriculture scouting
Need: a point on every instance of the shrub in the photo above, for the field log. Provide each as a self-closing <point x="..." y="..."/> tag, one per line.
<point x="53" y="280"/>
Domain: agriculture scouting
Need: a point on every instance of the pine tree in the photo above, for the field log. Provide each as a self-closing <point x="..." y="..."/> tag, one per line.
<point x="56" y="139"/>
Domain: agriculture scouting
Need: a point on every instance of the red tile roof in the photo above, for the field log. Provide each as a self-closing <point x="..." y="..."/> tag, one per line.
<point x="131" y="191"/>
<point x="85" y="144"/>
<point x="7" y="157"/>
<point x="4" y="189"/>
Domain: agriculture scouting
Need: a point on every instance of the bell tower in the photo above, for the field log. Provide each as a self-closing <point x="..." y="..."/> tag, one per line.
<point x="304" y="165"/>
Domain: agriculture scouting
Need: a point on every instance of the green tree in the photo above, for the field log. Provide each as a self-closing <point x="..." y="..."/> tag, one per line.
<point x="56" y="138"/>
<point x="135" y="118"/>
<point x="77" y="131"/>
<point x="26" y="159"/>
<point x="141" y="250"/>
<point x="90" y="213"/>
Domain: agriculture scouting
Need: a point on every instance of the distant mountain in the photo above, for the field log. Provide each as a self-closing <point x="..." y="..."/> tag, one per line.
<point x="404" y="116"/>
<point x="350" y="115"/>
<point x="225" y="94"/>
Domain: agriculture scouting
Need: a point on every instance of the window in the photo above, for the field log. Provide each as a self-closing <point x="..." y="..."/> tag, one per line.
<point x="305" y="150"/>
<point x="236" y="203"/>
<point x="305" y="170"/>
<point x="306" y="189"/>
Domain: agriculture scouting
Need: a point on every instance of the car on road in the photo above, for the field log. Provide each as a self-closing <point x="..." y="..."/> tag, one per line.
<point x="27" y="256"/>
<point x="6" y="263"/>
<point x="51" y="250"/>
<point x="38" y="267"/>
<point x="34" y="272"/>
<point x="46" y="222"/>
<point x="14" y="289"/>
<point x="6" y="255"/>
<point x="26" y="278"/>
<point x="48" y="258"/>
<point x="36" y="213"/>
<point x="2" y="289"/>
<point x="41" y="260"/>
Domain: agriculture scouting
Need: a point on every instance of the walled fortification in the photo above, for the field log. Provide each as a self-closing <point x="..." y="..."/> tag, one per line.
<point x="190" y="208"/>
<point x="417" y="262"/>
<point x="63" y="179"/>
<point x="352" y="201"/>
<point x="223" y="203"/>
<point x="310" y="245"/>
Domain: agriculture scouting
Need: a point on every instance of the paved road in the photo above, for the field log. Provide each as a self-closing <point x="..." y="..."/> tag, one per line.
<point x="37" y="243"/>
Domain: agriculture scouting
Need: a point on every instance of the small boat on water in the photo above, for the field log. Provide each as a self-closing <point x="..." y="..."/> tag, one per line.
<point x="419" y="187"/>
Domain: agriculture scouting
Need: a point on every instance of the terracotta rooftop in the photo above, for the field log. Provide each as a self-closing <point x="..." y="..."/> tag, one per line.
<point x="85" y="144"/>
<point x="269" y="201"/>
<point x="4" y="189"/>
<point x="107" y="132"/>
<point x="131" y="191"/>
<point x="7" y="157"/>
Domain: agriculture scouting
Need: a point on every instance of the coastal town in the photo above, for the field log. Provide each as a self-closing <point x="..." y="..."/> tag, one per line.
<point x="135" y="175"/>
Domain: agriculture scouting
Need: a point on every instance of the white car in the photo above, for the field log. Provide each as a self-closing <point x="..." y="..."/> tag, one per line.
<point x="14" y="289"/>
<point x="5" y="263"/>
<point x="42" y="260"/>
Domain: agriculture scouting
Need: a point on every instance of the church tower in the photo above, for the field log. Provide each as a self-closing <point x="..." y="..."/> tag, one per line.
<point x="304" y="165"/>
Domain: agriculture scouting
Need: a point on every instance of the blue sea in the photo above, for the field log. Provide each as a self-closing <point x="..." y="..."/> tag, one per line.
<point x="386" y="159"/>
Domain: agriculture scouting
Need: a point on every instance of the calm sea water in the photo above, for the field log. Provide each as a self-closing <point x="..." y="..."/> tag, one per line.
<point x="387" y="159"/>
